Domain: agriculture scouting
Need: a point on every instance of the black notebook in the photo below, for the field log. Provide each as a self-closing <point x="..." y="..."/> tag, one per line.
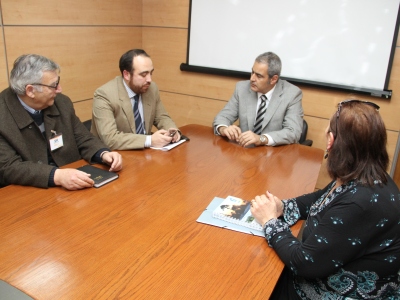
<point x="99" y="176"/>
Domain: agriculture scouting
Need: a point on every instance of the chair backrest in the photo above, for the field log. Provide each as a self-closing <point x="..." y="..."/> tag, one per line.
<point x="303" y="137"/>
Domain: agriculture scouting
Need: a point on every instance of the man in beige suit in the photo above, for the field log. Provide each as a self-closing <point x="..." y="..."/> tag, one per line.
<point x="126" y="108"/>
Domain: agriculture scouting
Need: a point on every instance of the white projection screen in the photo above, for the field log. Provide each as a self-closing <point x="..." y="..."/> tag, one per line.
<point x="345" y="44"/>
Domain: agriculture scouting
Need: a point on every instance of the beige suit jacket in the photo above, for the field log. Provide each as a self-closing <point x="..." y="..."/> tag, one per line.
<point x="113" y="120"/>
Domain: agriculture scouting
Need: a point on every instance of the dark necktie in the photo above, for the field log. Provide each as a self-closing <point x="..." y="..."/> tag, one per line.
<point x="260" y="115"/>
<point x="37" y="116"/>
<point x="138" y="118"/>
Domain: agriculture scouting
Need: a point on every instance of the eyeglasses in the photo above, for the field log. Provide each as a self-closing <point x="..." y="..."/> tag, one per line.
<point x="50" y="86"/>
<point x="376" y="106"/>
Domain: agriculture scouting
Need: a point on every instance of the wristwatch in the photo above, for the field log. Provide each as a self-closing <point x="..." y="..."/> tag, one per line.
<point x="263" y="139"/>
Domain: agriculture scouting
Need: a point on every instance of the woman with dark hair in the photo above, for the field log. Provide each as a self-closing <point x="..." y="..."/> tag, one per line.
<point x="350" y="247"/>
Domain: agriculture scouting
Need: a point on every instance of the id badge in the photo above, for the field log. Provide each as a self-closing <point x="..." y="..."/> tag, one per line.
<point x="56" y="141"/>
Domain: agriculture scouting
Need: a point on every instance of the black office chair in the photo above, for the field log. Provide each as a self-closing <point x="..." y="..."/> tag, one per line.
<point x="88" y="124"/>
<point x="303" y="138"/>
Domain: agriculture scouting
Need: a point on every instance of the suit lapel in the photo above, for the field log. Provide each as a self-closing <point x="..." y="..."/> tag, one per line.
<point x="126" y="105"/>
<point x="147" y="108"/>
<point x="49" y="115"/>
<point x="273" y="104"/>
<point x="251" y="108"/>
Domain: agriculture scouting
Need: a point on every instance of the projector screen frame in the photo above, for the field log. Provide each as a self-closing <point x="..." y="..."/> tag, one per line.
<point x="384" y="93"/>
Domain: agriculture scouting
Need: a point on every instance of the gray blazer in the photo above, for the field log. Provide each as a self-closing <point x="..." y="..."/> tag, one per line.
<point x="23" y="149"/>
<point x="283" y="120"/>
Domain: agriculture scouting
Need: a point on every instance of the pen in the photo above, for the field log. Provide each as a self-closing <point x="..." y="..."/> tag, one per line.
<point x="172" y="133"/>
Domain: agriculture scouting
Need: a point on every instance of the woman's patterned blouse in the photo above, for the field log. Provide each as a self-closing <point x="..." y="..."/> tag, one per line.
<point x="350" y="247"/>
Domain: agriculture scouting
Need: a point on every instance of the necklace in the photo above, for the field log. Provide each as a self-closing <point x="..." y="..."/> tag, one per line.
<point x="326" y="196"/>
<point x="317" y="206"/>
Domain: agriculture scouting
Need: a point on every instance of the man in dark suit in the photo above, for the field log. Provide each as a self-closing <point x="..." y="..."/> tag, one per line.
<point x="126" y="108"/>
<point x="277" y="121"/>
<point x="40" y="132"/>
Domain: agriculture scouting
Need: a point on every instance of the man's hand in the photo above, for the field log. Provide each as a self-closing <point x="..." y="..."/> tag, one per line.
<point x="174" y="133"/>
<point x="232" y="132"/>
<point x="72" y="179"/>
<point x="160" y="138"/>
<point x="247" y="138"/>
<point x="113" y="159"/>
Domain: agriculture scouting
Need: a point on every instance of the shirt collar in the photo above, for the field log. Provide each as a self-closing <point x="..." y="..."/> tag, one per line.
<point x="131" y="93"/>
<point x="268" y="94"/>
<point x="28" y="108"/>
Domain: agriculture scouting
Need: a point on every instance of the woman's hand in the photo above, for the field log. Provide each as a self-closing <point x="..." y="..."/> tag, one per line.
<point x="266" y="207"/>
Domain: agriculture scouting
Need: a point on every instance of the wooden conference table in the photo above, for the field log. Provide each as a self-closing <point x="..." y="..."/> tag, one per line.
<point x="137" y="237"/>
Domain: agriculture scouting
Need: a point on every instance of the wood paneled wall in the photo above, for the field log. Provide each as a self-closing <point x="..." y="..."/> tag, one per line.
<point x="88" y="37"/>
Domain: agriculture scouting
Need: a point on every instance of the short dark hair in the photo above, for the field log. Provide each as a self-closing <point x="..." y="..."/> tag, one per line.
<point x="359" y="149"/>
<point x="126" y="60"/>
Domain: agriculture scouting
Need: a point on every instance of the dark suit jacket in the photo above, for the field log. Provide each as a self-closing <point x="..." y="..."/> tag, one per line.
<point x="23" y="149"/>
<point x="113" y="120"/>
<point x="283" y="120"/>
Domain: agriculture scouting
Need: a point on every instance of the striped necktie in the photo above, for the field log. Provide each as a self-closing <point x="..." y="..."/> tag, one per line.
<point x="260" y="115"/>
<point x="138" y="118"/>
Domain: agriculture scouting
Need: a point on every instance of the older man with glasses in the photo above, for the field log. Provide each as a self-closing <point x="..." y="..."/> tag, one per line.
<point x="40" y="131"/>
